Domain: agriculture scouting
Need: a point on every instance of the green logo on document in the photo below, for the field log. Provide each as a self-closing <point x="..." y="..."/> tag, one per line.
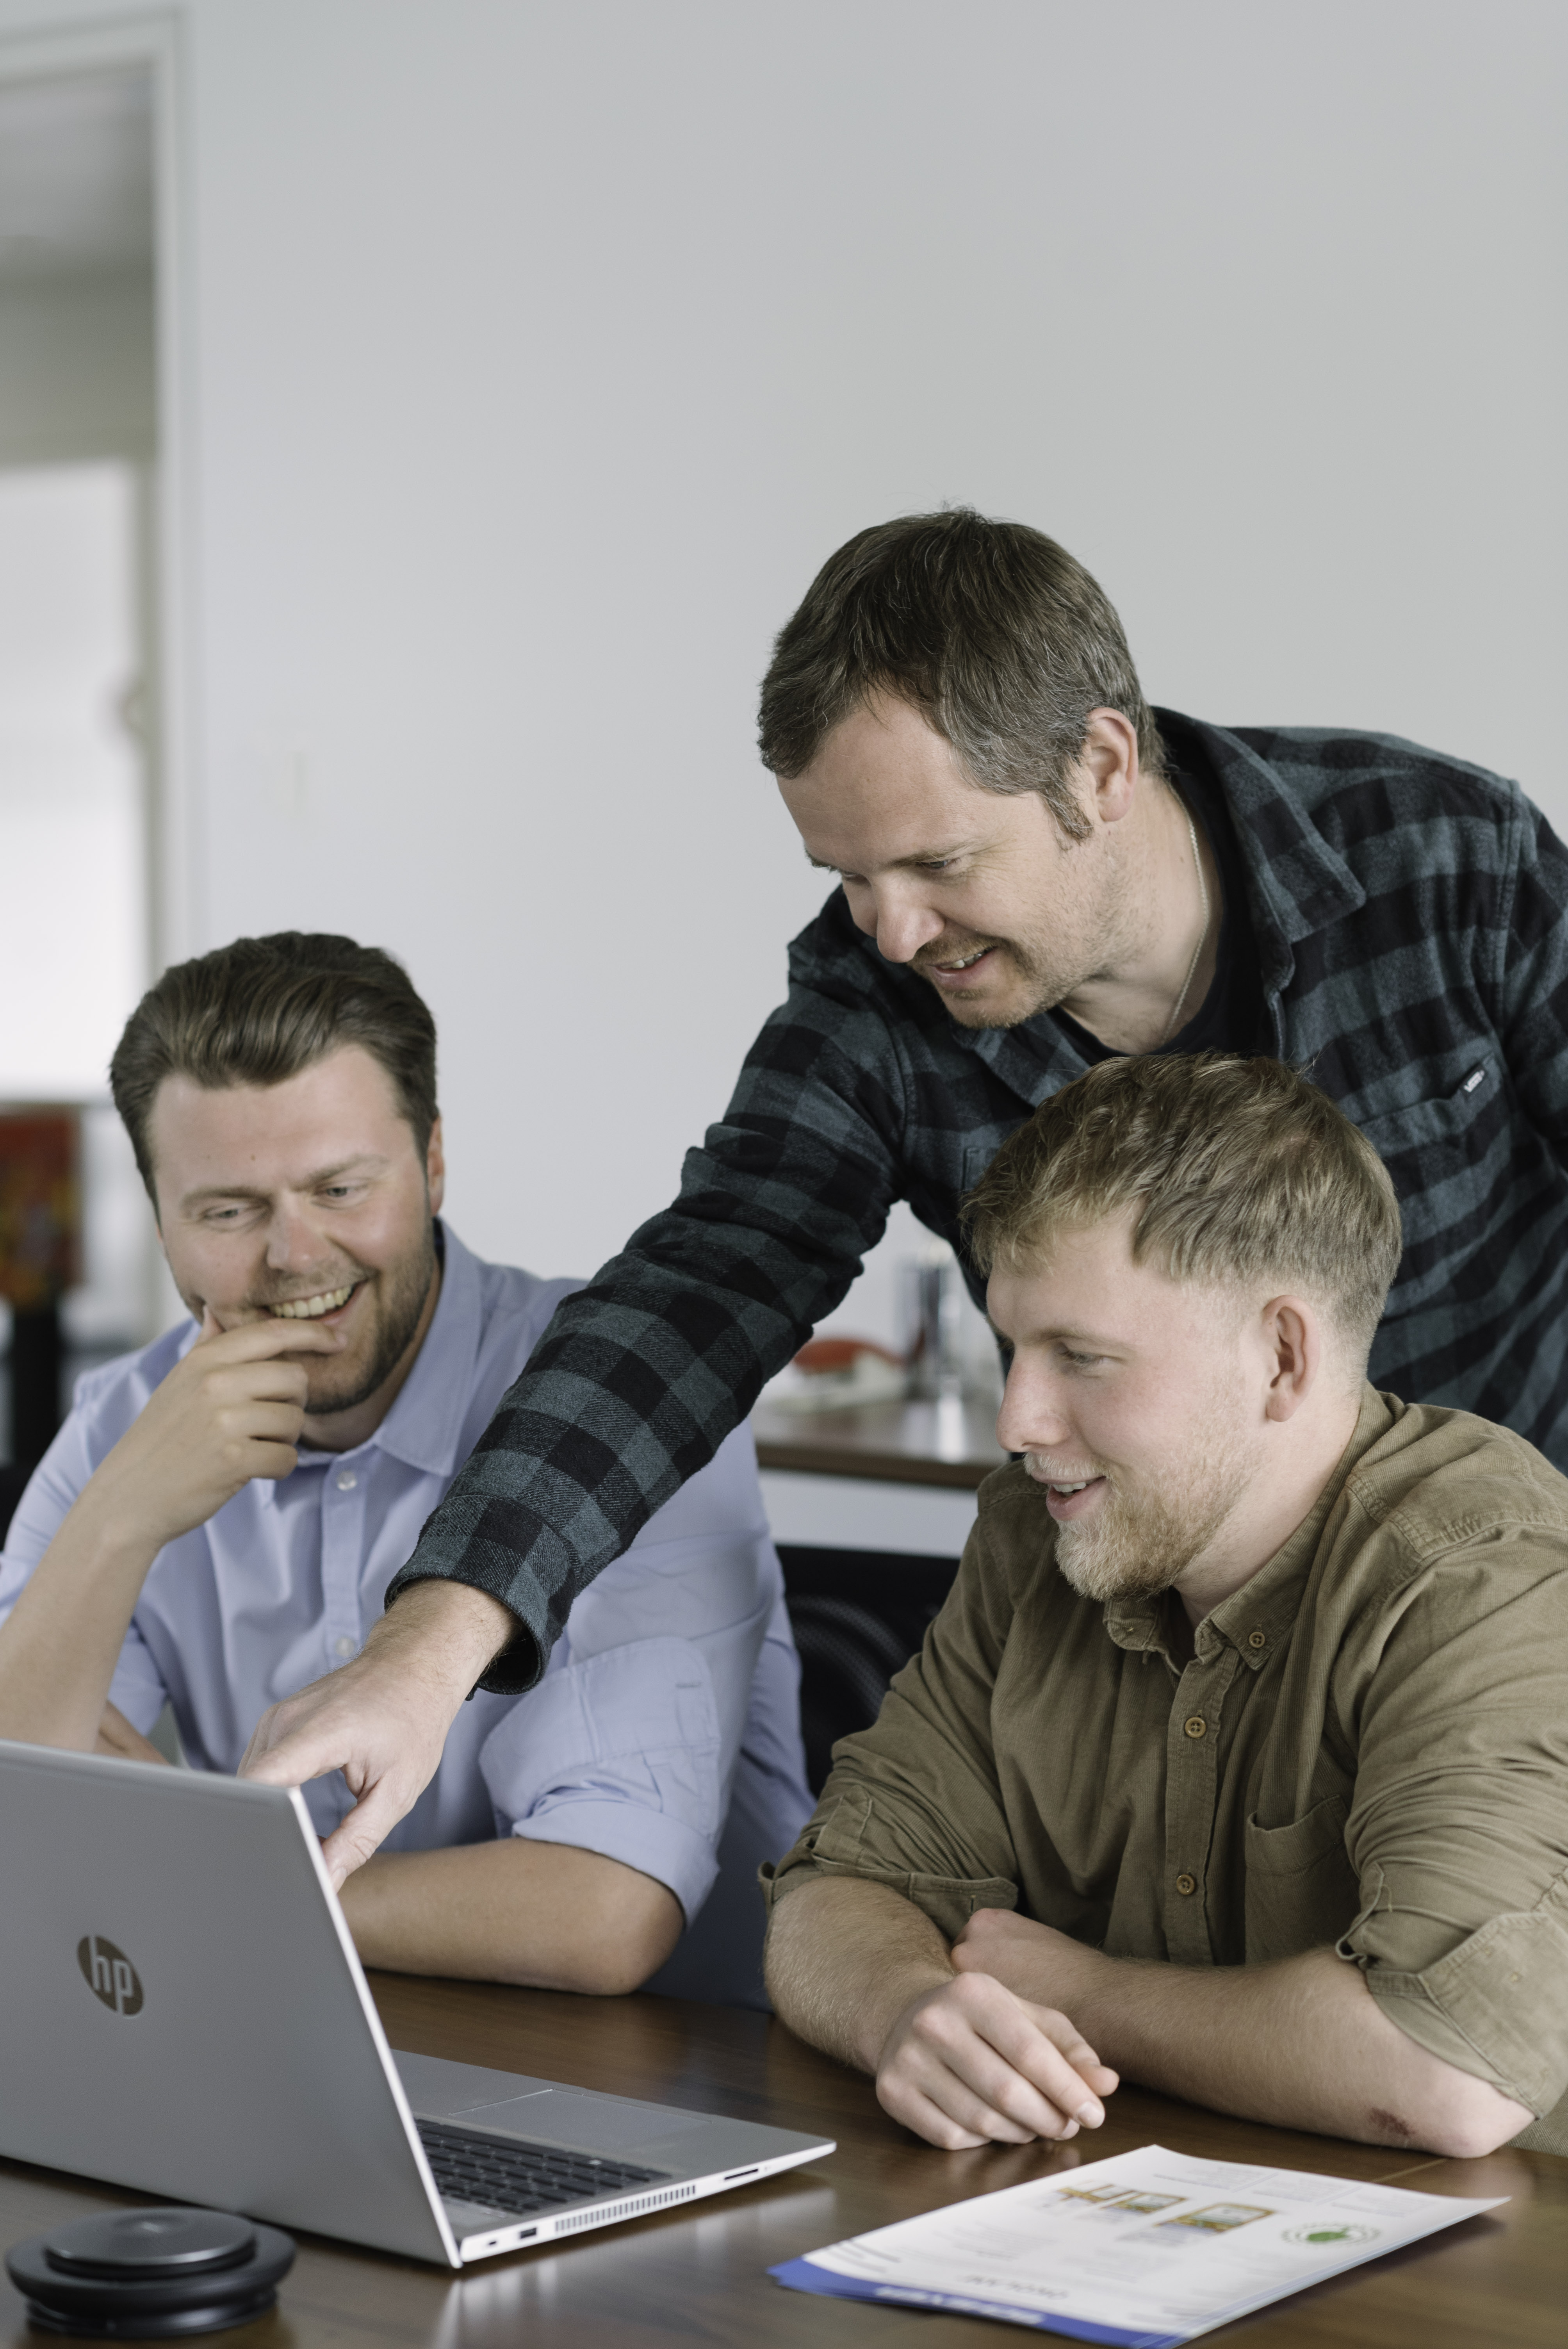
<point x="1330" y="2237"/>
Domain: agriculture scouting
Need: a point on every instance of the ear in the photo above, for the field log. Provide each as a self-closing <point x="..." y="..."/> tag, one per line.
<point x="435" y="1169"/>
<point x="1109" y="763"/>
<point x="1293" y="1339"/>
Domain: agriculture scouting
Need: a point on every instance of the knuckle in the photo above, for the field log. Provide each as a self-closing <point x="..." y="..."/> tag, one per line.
<point x="896" y="2096"/>
<point x="935" y="2026"/>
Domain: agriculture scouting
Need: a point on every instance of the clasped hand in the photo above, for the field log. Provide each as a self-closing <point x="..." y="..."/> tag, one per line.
<point x="970" y="2061"/>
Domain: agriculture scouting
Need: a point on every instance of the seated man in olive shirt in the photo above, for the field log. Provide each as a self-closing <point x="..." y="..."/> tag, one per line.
<point x="1237" y="1759"/>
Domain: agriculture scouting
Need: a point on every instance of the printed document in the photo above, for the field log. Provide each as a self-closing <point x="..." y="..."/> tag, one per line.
<point x="1147" y="2251"/>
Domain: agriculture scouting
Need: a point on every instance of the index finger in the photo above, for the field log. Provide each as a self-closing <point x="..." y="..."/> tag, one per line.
<point x="255" y="1342"/>
<point x="1056" y="2070"/>
<point x="358" y="1835"/>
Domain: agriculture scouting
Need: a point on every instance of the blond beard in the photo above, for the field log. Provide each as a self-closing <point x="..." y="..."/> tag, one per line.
<point x="1137" y="1549"/>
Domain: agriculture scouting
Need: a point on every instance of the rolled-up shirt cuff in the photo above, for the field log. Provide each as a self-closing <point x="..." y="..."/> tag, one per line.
<point x="136" y="1689"/>
<point x="619" y="1754"/>
<point x="661" y="1847"/>
<point x="1491" y="2007"/>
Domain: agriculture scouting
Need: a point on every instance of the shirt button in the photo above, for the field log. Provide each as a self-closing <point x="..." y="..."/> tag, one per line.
<point x="1186" y="1884"/>
<point x="1197" y="1726"/>
<point x="1257" y="1638"/>
<point x="343" y="1645"/>
<point x="346" y="1480"/>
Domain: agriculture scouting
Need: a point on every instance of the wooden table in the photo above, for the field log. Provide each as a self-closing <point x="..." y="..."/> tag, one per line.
<point x="697" y="2275"/>
<point x="896" y="1442"/>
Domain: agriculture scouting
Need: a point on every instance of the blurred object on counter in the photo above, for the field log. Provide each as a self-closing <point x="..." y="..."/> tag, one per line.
<point x="40" y="1259"/>
<point x="838" y="1374"/>
<point x="933" y="1300"/>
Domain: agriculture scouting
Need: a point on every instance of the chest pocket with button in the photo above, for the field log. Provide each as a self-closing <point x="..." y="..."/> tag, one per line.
<point x="1301" y="1890"/>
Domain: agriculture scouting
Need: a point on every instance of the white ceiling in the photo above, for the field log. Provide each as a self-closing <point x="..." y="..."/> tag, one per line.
<point x="76" y="175"/>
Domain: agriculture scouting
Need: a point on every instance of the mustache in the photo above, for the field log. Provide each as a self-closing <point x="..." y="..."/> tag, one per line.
<point x="1046" y="1471"/>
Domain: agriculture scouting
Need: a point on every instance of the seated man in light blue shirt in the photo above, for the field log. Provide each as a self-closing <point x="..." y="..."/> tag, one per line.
<point x="217" y="1522"/>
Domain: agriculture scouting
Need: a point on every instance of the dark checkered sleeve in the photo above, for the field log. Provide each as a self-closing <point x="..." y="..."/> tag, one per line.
<point x="642" y="1374"/>
<point x="1533" y="985"/>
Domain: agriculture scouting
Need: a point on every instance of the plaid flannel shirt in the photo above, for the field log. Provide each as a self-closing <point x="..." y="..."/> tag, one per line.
<point x="1409" y="913"/>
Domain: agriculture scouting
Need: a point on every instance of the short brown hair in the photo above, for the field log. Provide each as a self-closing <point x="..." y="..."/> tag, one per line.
<point x="1240" y="1171"/>
<point x="259" y="1010"/>
<point x="1002" y="642"/>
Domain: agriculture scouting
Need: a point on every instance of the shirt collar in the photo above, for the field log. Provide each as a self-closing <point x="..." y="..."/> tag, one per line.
<point x="423" y="1427"/>
<point x="1257" y="1617"/>
<point x="1299" y="882"/>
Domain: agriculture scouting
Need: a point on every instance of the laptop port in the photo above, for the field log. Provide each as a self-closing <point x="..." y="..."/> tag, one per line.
<point x="731" y="2175"/>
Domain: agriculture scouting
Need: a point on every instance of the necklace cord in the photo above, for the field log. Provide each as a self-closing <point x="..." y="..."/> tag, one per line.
<point x="1202" y="935"/>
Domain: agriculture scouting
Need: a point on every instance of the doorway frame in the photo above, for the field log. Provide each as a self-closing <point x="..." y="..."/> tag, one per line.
<point x="155" y="43"/>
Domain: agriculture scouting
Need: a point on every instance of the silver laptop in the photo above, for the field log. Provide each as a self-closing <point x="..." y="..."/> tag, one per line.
<point x="182" y="2011"/>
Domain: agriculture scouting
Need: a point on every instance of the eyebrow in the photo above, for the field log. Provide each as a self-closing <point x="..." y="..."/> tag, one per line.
<point x="369" y="1159"/>
<point x="899" y="863"/>
<point x="1066" y="1334"/>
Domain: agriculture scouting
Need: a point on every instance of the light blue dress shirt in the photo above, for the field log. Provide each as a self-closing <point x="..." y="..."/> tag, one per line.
<point x="665" y="1731"/>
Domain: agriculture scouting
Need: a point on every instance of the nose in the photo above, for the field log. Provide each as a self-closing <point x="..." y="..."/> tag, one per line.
<point x="899" y="922"/>
<point x="1031" y="1418"/>
<point x="294" y="1244"/>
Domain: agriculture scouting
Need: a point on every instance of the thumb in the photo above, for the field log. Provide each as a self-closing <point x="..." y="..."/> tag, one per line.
<point x="356" y="1838"/>
<point x="211" y="1325"/>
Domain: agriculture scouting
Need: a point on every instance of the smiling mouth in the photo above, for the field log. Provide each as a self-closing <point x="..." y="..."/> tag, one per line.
<point x="1063" y="1488"/>
<point x="956" y="966"/>
<point x="311" y="1309"/>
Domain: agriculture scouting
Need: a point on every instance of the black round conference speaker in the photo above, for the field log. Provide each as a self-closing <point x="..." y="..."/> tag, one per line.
<point x="150" y="2275"/>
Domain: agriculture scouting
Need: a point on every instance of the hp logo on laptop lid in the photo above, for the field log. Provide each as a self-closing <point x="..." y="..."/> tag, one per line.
<point x="109" y="1974"/>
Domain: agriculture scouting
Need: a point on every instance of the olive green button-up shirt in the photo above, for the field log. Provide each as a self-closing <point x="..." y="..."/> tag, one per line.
<point x="1368" y="1749"/>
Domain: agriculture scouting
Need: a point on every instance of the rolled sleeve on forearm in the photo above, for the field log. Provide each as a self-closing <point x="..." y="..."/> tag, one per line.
<point x="1493" y="2006"/>
<point x="620" y="1754"/>
<point x="1457" y="1830"/>
<point x="854" y="1836"/>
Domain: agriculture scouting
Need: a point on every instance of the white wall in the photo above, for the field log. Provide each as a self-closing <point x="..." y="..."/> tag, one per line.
<point x="535" y="355"/>
<point x="77" y="385"/>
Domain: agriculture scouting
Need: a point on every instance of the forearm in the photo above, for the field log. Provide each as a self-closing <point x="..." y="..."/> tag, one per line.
<point x="542" y="1915"/>
<point x="1302" y="2043"/>
<point x="61" y="1642"/>
<point x="844" y="1957"/>
<point x="750" y="1256"/>
<point x="122" y="1743"/>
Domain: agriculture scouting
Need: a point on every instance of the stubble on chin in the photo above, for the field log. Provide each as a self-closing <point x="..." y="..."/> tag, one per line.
<point x="1122" y="1552"/>
<point x="398" y="1303"/>
<point x="1133" y="1551"/>
<point x="1019" y="992"/>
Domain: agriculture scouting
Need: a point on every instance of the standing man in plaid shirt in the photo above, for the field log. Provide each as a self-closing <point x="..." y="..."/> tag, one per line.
<point x="1034" y="870"/>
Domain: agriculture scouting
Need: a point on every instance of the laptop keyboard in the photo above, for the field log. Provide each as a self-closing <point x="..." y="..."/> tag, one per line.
<point x="506" y="2174"/>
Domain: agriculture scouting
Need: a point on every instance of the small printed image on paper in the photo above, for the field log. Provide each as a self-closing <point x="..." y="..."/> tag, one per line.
<point x="1218" y="2218"/>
